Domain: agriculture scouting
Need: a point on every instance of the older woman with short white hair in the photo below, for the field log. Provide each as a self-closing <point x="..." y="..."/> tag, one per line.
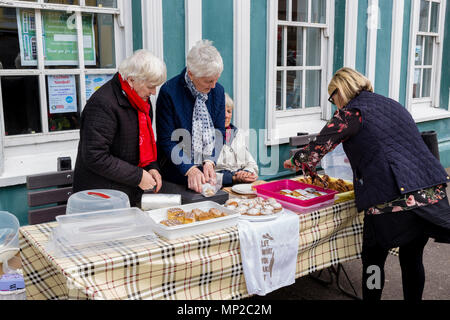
<point x="192" y="103"/>
<point x="117" y="148"/>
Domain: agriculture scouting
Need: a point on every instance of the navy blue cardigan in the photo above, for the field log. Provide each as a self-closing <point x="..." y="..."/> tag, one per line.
<point x="174" y="110"/>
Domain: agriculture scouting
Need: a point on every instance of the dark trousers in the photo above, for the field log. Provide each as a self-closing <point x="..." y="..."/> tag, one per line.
<point x="411" y="264"/>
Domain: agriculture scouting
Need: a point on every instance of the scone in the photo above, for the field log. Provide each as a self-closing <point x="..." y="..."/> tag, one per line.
<point x="172" y="212"/>
<point x="170" y="222"/>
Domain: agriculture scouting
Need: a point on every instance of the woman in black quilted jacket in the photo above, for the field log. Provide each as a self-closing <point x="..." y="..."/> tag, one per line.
<point x="398" y="182"/>
<point x="117" y="148"/>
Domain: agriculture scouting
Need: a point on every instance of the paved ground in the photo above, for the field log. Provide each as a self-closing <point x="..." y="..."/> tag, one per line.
<point x="437" y="283"/>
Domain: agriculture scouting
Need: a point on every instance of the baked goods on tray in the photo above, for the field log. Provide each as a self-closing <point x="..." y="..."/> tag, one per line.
<point x="177" y="216"/>
<point x="338" y="185"/>
<point x="254" y="207"/>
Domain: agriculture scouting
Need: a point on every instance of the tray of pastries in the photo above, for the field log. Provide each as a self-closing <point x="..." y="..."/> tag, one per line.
<point x="343" y="187"/>
<point x="255" y="209"/>
<point x="191" y="219"/>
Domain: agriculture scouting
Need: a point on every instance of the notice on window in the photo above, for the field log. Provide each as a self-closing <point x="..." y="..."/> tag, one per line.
<point x="62" y="94"/>
<point x="60" y="38"/>
<point x="95" y="81"/>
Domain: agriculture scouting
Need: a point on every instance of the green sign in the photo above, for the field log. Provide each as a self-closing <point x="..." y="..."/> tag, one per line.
<point x="59" y="38"/>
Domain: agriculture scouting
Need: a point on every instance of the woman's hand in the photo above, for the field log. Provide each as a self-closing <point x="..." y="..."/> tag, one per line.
<point x="288" y="165"/>
<point x="209" y="173"/>
<point x="157" y="177"/>
<point x="147" y="181"/>
<point x="245" y="176"/>
<point x="196" y="179"/>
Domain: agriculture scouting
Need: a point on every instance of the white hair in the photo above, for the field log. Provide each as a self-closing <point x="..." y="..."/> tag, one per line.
<point x="145" y="67"/>
<point x="203" y="60"/>
<point x="228" y="101"/>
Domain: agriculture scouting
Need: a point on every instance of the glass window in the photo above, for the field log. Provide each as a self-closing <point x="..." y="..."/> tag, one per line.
<point x="416" y="84"/>
<point x="423" y="22"/>
<point x="17" y="47"/>
<point x="70" y="2"/>
<point x="21" y="109"/>
<point x="295" y="46"/>
<point x="282" y="10"/>
<point x="294" y="90"/>
<point x="426" y="83"/>
<point x="313" y="38"/>
<point x="312" y="88"/>
<point x="99" y="43"/>
<point x="318" y="11"/>
<point x="300" y="10"/>
<point x="63" y="103"/>
<point x="434" y="23"/>
<point x="102" y="3"/>
<point x="280" y="90"/>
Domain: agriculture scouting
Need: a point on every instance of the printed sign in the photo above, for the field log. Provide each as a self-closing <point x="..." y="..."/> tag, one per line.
<point x="62" y="94"/>
<point x="59" y="38"/>
<point x="95" y="81"/>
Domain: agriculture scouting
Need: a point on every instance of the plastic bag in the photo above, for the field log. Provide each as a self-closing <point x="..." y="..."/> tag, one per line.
<point x="209" y="190"/>
<point x="336" y="164"/>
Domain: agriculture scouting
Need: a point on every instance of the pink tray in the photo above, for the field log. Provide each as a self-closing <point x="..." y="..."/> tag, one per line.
<point x="272" y="189"/>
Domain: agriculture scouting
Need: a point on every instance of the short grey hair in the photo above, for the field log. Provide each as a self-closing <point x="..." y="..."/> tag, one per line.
<point x="145" y="67"/>
<point x="228" y="101"/>
<point x="204" y="60"/>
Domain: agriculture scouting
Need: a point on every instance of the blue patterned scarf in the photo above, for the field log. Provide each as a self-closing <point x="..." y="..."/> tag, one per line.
<point x="203" y="133"/>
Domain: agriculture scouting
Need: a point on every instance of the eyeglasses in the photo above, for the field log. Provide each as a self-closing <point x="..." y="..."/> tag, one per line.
<point x="330" y="99"/>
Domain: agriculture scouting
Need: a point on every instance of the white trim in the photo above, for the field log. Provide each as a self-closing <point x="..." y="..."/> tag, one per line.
<point x="241" y="63"/>
<point x="152" y="27"/>
<point x="439" y="42"/>
<point x="396" y="49"/>
<point x="351" y="28"/>
<point x="193" y="20"/>
<point x="373" y="17"/>
<point x="329" y="32"/>
<point x="414" y="25"/>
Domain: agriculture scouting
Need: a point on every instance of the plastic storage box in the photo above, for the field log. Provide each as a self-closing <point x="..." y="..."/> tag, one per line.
<point x="190" y="229"/>
<point x="96" y="200"/>
<point x="272" y="190"/>
<point x="9" y="238"/>
<point x="100" y="226"/>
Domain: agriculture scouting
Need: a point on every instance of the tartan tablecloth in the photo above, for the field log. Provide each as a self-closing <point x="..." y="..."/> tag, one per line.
<point x="205" y="266"/>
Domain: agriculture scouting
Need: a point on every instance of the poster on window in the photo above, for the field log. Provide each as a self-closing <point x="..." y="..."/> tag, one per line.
<point x="59" y="36"/>
<point x="95" y="81"/>
<point x="62" y="94"/>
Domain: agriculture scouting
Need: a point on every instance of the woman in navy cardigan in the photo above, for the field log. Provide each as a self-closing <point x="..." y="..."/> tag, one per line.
<point x="190" y="118"/>
<point x="398" y="182"/>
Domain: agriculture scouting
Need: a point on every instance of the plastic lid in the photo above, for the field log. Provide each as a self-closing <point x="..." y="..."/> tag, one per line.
<point x="96" y="200"/>
<point x="9" y="236"/>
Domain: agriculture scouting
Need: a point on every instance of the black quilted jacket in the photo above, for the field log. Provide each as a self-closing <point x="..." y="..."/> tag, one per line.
<point x="108" y="151"/>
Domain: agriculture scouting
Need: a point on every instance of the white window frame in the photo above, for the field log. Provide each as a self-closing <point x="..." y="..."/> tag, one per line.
<point x="426" y="109"/>
<point x="283" y="124"/>
<point x="122" y="26"/>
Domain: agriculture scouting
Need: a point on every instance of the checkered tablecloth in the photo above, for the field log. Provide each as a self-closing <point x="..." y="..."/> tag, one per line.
<point x="205" y="266"/>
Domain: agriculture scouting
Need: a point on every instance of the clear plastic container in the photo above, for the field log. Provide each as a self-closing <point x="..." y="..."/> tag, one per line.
<point x="96" y="200"/>
<point x="101" y="226"/>
<point x="9" y="238"/>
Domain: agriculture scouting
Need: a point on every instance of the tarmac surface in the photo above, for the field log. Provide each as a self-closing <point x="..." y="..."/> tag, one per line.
<point x="436" y="260"/>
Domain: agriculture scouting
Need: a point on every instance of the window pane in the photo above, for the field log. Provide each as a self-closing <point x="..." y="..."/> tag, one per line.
<point x="295" y="46"/>
<point x="313" y="48"/>
<point x="423" y="22"/>
<point x="73" y="2"/>
<point x="416" y="84"/>
<point x="17" y="48"/>
<point x="294" y="90"/>
<point x="282" y="12"/>
<point x="63" y="104"/>
<point x="312" y="94"/>
<point x="100" y="54"/>
<point x="434" y="23"/>
<point x="102" y="3"/>
<point x="60" y="39"/>
<point x="21" y="109"/>
<point x="280" y="47"/>
<point x="318" y="11"/>
<point x="428" y="51"/>
<point x="94" y="82"/>
<point x="419" y="51"/>
<point x="300" y="10"/>
<point x="279" y="103"/>
<point x="426" y="84"/>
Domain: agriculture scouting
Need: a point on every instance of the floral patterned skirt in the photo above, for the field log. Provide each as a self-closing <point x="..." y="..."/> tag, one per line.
<point x="395" y="229"/>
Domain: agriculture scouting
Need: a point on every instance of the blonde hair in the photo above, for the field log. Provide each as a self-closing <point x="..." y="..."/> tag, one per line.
<point x="228" y="101"/>
<point x="204" y="60"/>
<point x="349" y="83"/>
<point x="144" y="67"/>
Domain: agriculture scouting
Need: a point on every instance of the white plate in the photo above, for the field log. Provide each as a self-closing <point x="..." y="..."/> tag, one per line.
<point x="261" y="218"/>
<point x="245" y="188"/>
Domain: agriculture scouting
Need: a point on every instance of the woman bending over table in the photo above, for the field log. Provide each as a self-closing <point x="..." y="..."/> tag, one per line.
<point x="235" y="162"/>
<point x="117" y="148"/>
<point x="398" y="182"/>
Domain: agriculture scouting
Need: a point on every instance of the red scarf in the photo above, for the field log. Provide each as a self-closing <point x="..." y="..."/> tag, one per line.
<point x="147" y="143"/>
